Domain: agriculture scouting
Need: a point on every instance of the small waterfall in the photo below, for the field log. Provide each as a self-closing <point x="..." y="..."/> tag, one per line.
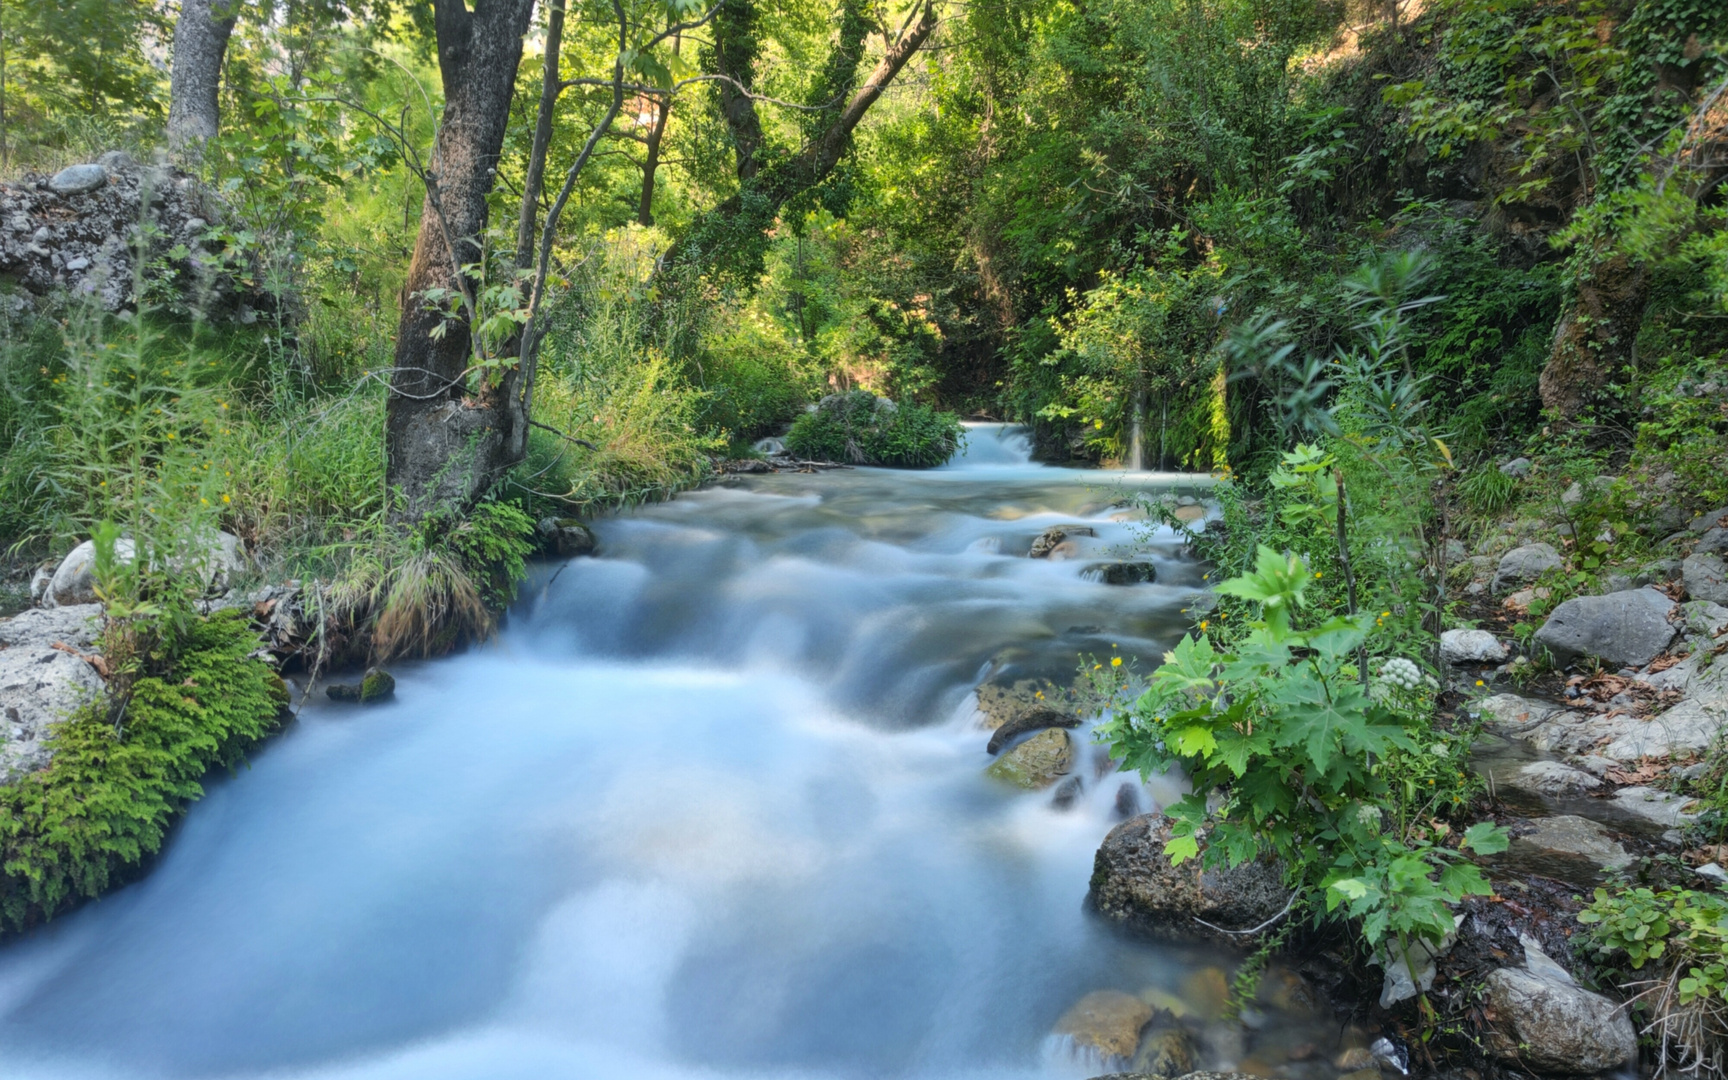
<point x="1136" y="436"/>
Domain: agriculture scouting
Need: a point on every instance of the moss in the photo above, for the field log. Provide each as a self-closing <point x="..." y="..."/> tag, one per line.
<point x="91" y="819"/>
<point x="866" y="430"/>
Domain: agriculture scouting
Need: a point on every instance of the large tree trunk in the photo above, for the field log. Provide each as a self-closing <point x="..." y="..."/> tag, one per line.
<point x="200" y="41"/>
<point x="445" y="444"/>
<point x="1594" y="336"/>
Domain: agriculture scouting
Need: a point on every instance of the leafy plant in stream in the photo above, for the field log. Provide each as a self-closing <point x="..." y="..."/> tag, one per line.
<point x="1314" y="766"/>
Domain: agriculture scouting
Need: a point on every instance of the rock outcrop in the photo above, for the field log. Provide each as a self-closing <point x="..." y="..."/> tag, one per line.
<point x="48" y="670"/>
<point x="1135" y="885"/>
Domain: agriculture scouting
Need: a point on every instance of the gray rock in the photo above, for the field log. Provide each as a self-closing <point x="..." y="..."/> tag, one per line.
<point x="77" y="626"/>
<point x="1036" y="719"/>
<point x="1470" y="647"/>
<point x="1567" y="848"/>
<point x="1166" y="1051"/>
<point x="1574" y="495"/>
<point x="1048" y="540"/>
<point x="1666" y="519"/>
<point x="1134" y="884"/>
<point x="1624" y="629"/>
<point x="1547" y="1022"/>
<point x="1510" y="713"/>
<point x="1714" y="542"/>
<point x="39" y="688"/>
<point x="78" y="179"/>
<point x="1703" y="523"/>
<point x="567" y="537"/>
<point x="118" y="161"/>
<point x="1523" y="565"/>
<point x="1704" y="618"/>
<point x="1120" y="573"/>
<point x="74" y="582"/>
<point x="1518" y="468"/>
<point x="1553" y="779"/>
<point x="39" y="582"/>
<point x="1706" y="578"/>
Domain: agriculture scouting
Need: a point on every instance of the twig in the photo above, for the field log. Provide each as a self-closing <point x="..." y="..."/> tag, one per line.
<point x="561" y="435"/>
<point x="1288" y="904"/>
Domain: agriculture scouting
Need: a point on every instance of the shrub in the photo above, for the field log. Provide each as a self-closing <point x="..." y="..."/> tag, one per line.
<point x="864" y="429"/>
<point x="104" y="804"/>
<point x="1488" y="490"/>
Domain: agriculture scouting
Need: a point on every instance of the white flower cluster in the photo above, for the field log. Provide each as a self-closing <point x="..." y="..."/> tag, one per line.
<point x="1401" y="673"/>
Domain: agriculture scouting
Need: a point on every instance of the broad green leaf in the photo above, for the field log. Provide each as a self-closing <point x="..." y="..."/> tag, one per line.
<point x="1486" y="838"/>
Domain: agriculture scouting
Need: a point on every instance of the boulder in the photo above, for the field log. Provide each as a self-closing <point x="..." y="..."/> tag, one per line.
<point x="1624" y="629"/>
<point x="74" y="581"/>
<point x="1517" y="468"/>
<point x="1661" y="808"/>
<point x="567" y="537"/>
<point x="219" y="562"/>
<point x="1523" y="565"/>
<point x="1706" y="578"/>
<point x="39" y="687"/>
<point x="1566" y="848"/>
<point x="1511" y="714"/>
<point x="78" y="179"/>
<point x="1067" y="793"/>
<point x="1703" y="523"/>
<point x="1036" y="763"/>
<point x="1546" y="1022"/>
<point x="1050" y="538"/>
<point x="1134" y="884"/>
<point x="40" y="579"/>
<point x="1120" y="573"/>
<point x="1003" y="702"/>
<point x="1714" y="542"/>
<point x="1036" y="718"/>
<point x="1704" y="619"/>
<point x="1104" y="1026"/>
<point x="1470" y="647"/>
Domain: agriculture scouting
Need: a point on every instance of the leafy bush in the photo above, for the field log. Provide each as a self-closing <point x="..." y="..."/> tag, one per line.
<point x="862" y="428"/>
<point x="1488" y="490"/>
<point x="104" y="804"/>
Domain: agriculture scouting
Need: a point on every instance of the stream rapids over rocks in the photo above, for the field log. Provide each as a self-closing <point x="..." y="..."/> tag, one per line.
<point x="711" y="805"/>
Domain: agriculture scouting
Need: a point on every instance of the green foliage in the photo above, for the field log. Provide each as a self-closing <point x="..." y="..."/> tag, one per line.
<point x="493" y="543"/>
<point x="862" y="428"/>
<point x="1488" y="490"/>
<point x="103" y="806"/>
<point x="1320" y="766"/>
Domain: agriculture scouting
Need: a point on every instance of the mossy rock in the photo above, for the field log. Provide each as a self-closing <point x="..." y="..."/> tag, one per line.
<point x="375" y="686"/>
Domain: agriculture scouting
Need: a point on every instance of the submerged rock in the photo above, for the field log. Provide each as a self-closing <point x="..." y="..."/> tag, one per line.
<point x="1121" y="573"/>
<point x="1067" y="793"/>
<point x="1166" y="1051"/>
<point x="1048" y="540"/>
<point x="1545" y="1021"/>
<point x="567" y="537"/>
<point x="1554" y="779"/>
<point x="1036" y="763"/>
<point x="1105" y="1025"/>
<point x="1567" y="848"/>
<point x="1134" y="884"/>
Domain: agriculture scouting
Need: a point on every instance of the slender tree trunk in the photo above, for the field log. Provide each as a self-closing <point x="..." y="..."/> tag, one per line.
<point x="200" y="42"/>
<point x="446" y="445"/>
<point x="645" y="211"/>
<point x="527" y="224"/>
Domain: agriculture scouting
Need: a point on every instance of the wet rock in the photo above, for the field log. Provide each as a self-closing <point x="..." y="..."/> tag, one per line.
<point x="1134" y="884"/>
<point x="1001" y="703"/>
<point x="1545" y="1021"/>
<point x="1105" y="1026"/>
<point x="567" y="537"/>
<point x="1553" y="779"/>
<point x="1127" y="800"/>
<point x="1036" y="763"/>
<point x="1470" y="647"/>
<point x="1050" y="538"/>
<point x="1511" y="713"/>
<point x="1120" y="573"/>
<point x="1523" y="565"/>
<point x="377" y="685"/>
<point x="78" y="179"/>
<point x="40" y="687"/>
<point x="1662" y="808"/>
<point x="1287" y="991"/>
<point x="1706" y="578"/>
<point x="1623" y="629"/>
<point x="1036" y="718"/>
<point x="1165" y="1051"/>
<point x="1067" y="793"/>
<point x="1356" y="1057"/>
<point x="1567" y="848"/>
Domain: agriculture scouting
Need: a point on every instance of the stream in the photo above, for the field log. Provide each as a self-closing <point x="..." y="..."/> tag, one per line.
<point x="710" y="805"/>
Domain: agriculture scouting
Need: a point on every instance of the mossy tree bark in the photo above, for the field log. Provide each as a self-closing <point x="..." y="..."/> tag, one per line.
<point x="201" y="36"/>
<point x="1594" y="337"/>
<point x="446" y="441"/>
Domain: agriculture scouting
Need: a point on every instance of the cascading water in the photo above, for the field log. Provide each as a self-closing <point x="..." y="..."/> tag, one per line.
<point x="711" y="805"/>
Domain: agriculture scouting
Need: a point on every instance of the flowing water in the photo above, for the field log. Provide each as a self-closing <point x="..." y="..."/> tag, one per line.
<point x="711" y="805"/>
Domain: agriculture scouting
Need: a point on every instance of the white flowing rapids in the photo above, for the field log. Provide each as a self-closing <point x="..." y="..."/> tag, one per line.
<point x="711" y="805"/>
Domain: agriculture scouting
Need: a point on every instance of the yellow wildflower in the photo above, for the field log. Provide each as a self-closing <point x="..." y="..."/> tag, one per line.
<point x="1115" y="661"/>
